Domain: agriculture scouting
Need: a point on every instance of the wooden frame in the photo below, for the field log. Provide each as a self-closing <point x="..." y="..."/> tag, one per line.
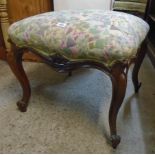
<point x="117" y="73"/>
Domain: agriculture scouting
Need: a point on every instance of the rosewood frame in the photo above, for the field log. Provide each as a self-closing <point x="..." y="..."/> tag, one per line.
<point x="117" y="73"/>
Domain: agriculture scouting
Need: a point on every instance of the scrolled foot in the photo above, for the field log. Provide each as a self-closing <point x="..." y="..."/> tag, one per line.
<point x="137" y="87"/>
<point x="14" y="59"/>
<point x="115" y="140"/>
<point x="22" y="106"/>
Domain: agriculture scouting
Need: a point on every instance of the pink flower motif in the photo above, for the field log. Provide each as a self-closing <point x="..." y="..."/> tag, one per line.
<point x="74" y="51"/>
<point x="63" y="45"/>
<point x="26" y="37"/>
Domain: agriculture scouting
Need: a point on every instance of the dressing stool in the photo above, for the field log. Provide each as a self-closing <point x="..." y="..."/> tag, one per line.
<point x="67" y="40"/>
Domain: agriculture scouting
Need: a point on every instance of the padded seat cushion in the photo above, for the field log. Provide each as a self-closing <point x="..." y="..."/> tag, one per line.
<point x="104" y="36"/>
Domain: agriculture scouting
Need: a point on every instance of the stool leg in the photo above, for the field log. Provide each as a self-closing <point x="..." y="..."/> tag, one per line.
<point x="140" y="57"/>
<point x="70" y="73"/>
<point x="119" y="83"/>
<point x="14" y="59"/>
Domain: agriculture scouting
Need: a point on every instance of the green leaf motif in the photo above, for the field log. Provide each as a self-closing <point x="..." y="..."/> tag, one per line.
<point x="100" y="43"/>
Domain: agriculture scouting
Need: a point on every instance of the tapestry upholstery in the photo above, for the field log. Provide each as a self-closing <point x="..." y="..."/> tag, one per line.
<point x="104" y="36"/>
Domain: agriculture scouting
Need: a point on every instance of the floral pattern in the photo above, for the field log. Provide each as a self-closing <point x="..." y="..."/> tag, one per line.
<point x="104" y="36"/>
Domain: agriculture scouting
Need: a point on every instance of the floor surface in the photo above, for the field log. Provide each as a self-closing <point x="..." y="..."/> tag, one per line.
<point x="70" y="114"/>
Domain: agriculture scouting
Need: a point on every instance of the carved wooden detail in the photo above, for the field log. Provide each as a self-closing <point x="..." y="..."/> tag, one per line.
<point x="117" y="73"/>
<point x="4" y="22"/>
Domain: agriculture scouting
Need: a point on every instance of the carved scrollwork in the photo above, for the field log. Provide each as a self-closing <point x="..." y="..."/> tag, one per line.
<point x="117" y="72"/>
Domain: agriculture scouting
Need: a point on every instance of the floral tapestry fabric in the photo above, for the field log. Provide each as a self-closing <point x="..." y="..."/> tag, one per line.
<point x="104" y="36"/>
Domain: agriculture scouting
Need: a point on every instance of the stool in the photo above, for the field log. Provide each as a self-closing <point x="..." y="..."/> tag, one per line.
<point x="67" y="40"/>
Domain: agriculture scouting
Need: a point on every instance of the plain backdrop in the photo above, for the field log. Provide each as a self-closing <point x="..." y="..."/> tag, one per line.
<point x="82" y="4"/>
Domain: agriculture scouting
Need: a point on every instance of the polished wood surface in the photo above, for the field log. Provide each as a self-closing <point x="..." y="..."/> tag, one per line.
<point x="4" y="23"/>
<point x="2" y="45"/>
<point x="19" y="9"/>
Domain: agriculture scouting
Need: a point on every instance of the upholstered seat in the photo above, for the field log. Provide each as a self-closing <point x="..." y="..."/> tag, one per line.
<point x="104" y="36"/>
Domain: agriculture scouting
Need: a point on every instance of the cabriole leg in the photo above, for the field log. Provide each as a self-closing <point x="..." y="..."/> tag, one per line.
<point x="14" y="59"/>
<point x="119" y="82"/>
<point x="140" y="57"/>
